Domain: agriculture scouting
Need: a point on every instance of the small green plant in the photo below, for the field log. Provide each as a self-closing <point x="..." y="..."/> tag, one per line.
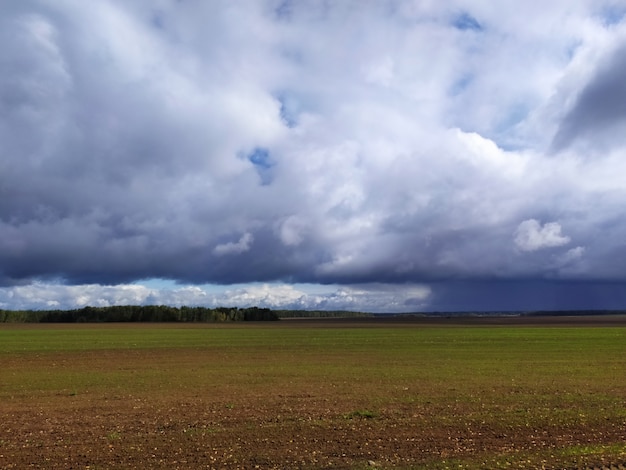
<point x="114" y="436"/>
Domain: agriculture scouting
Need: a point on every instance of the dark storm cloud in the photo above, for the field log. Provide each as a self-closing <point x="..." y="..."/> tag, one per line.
<point x="599" y="112"/>
<point x="527" y="295"/>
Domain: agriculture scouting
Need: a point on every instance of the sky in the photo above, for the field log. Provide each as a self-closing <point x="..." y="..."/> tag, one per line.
<point x="375" y="155"/>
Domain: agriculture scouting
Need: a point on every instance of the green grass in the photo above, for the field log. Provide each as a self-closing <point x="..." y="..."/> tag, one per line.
<point x="557" y="367"/>
<point x="506" y="380"/>
<point x="435" y="363"/>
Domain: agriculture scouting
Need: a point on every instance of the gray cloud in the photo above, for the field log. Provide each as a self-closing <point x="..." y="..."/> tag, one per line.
<point x="599" y="111"/>
<point x="306" y="142"/>
<point x="529" y="295"/>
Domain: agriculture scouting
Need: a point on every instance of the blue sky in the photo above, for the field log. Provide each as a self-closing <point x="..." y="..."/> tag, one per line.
<point x="367" y="155"/>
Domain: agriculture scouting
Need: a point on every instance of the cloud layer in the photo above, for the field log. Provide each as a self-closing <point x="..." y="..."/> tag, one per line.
<point x="370" y="298"/>
<point x="406" y="144"/>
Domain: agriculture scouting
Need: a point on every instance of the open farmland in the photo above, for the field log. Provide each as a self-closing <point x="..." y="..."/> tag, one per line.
<point x="314" y="394"/>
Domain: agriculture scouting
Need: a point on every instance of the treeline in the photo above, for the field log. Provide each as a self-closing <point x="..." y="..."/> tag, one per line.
<point x="136" y="313"/>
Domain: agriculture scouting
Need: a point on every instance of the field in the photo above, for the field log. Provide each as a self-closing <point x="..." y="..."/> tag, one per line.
<point x="314" y="394"/>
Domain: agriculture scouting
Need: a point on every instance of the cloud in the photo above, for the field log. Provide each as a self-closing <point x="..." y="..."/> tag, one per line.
<point x="310" y="142"/>
<point x="371" y="298"/>
<point x="50" y="296"/>
<point x="573" y="254"/>
<point x="527" y="295"/>
<point x="532" y="236"/>
<point x="599" y="110"/>
<point x="235" y="248"/>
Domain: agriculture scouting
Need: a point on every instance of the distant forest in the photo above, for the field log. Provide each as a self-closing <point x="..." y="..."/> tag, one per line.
<point x="160" y="313"/>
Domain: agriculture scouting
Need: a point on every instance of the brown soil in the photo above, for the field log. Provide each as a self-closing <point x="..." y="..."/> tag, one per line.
<point x="286" y="431"/>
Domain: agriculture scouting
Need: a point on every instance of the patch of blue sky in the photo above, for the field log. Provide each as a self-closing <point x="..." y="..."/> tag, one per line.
<point x="466" y="22"/>
<point x="157" y="21"/>
<point x="513" y="117"/>
<point x="158" y="284"/>
<point x="169" y="285"/>
<point x="613" y="15"/>
<point x="289" y="108"/>
<point x="284" y="10"/>
<point x="261" y="159"/>
<point x="505" y="134"/>
<point x="572" y="49"/>
<point x="461" y="85"/>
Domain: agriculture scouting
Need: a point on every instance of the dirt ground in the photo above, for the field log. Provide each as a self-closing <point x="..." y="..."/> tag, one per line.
<point x="273" y="428"/>
<point x="283" y="432"/>
<point x="286" y="432"/>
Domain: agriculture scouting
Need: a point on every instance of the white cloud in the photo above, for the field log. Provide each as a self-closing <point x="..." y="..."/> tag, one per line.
<point x="266" y="295"/>
<point x="532" y="236"/>
<point x="370" y="298"/>
<point x="236" y="248"/>
<point x="573" y="254"/>
<point x="293" y="230"/>
<point x="572" y="263"/>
